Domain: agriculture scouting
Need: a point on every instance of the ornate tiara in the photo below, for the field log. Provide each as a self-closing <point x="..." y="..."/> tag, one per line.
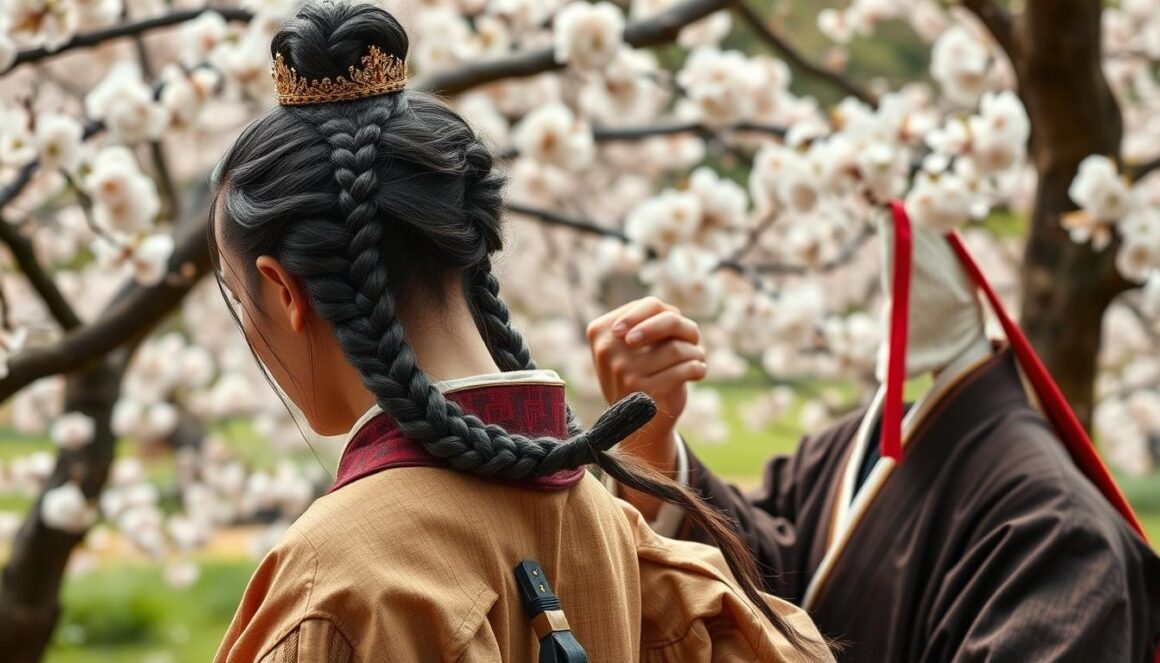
<point x="380" y="74"/>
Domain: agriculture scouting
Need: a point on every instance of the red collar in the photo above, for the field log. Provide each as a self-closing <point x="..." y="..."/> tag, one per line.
<point x="528" y="409"/>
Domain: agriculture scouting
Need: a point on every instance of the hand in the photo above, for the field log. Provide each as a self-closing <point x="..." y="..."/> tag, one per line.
<point x="647" y="345"/>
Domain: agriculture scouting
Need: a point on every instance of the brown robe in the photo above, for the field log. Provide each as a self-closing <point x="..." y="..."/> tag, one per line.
<point x="413" y="561"/>
<point x="985" y="543"/>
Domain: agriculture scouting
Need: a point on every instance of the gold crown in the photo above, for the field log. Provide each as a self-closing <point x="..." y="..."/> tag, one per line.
<point x="380" y="74"/>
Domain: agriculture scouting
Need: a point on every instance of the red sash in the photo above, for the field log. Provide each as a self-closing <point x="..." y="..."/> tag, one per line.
<point x="1055" y="407"/>
<point x="529" y="409"/>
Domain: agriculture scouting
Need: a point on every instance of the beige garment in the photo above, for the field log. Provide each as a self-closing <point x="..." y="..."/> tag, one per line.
<point x="415" y="564"/>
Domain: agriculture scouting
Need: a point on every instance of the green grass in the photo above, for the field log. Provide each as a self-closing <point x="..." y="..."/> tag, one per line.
<point x="742" y="457"/>
<point x="13" y="444"/>
<point x="1006" y="224"/>
<point x="128" y="613"/>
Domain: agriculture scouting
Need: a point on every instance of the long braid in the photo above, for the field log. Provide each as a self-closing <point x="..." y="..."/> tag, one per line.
<point x="388" y="196"/>
<point x="506" y="345"/>
<point x="482" y="198"/>
<point x="359" y="305"/>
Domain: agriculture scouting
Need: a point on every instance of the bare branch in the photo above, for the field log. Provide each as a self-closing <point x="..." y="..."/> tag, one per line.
<point x="843" y="258"/>
<point x="1139" y="171"/>
<point x="659" y="29"/>
<point x="795" y="58"/>
<point x="97" y="37"/>
<point x="170" y="205"/>
<point x="13" y="188"/>
<point x="557" y="219"/>
<point x="5" y="320"/>
<point x="22" y="252"/>
<point x="1146" y="323"/>
<point x="606" y="134"/>
<point x="999" y="23"/>
<point x="613" y="134"/>
<point x="134" y="312"/>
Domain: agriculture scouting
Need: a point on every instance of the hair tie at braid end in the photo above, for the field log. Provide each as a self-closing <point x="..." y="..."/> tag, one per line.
<point x="624" y="418"/>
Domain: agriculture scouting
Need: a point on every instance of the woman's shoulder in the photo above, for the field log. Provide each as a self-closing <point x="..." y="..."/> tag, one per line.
<point x="377" y="574"/>
<point x="716" y="620"/>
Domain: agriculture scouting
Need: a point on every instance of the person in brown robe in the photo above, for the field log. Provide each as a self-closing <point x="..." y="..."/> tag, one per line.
<point x="987" y="542"/>
<point x="406" y="559"/>
<point x="353" y="231"/>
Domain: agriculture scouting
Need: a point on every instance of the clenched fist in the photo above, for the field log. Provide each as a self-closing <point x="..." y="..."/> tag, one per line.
<point x="647" y="345"/>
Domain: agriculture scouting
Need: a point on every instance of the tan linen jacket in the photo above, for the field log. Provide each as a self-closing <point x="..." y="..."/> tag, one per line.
<point x="415" y="564"/>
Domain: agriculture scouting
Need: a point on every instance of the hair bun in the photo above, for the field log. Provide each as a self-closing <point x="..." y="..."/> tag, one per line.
<point x="324" y="39"/>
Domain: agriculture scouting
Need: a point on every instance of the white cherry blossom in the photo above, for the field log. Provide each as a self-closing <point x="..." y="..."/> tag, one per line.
<point x="73" y="430"/>
<point x="66" y="509"/>
<point x="58" y="140"/>
<point x="588" y="36"/>
<point x="688" y="279"/>
<point x="721" y="85"/>
<point x="960" y="63"/>
<point x="707" y="32"/>
<point x="125" y="104"/>
<point x="665" y="221"/>
<point x="553" y="135"/>
<point x="7" y="51"/>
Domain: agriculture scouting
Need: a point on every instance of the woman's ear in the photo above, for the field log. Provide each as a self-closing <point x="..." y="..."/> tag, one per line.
<point x="283" y="291"/>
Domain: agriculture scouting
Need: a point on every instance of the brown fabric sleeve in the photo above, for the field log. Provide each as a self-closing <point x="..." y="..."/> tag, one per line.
<point x="764" y="519"/>
<point x="1048" y="573"/>
<point x="692" y="609"/>
<point x="314" y="641"/>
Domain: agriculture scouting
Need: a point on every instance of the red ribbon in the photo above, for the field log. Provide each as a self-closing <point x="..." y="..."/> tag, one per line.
<point x="1054" y="405"/>
<point x="890" y="445"/>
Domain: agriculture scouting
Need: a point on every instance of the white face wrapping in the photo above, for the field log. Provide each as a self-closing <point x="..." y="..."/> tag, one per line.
<point x="945" y="315"/>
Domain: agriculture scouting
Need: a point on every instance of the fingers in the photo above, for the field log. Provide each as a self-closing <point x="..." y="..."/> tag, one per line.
<point x="662" y="326"/>
<point x="693" y="370"/>
<point x="637" y="312"/>
<point x="642" y="363"/>
<point x="638" y="346"/>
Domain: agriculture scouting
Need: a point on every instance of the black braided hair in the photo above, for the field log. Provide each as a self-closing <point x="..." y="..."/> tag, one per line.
<point x="374" y="204"/>
<point x="386" y="160"/>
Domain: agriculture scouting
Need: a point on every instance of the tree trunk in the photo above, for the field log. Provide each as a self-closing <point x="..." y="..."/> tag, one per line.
<point x="30" y="584"/>
<point x="1066" y="286"/>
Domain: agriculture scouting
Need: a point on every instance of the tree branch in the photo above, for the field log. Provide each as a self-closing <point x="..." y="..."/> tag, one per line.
<point x="557" y="219"/>
<point x="999" y="23"/>
<point x="22" y="252"/>
<point x="134" y="312"/>
<point x="170" y="205"/>
<point x="795" y="58"/>
<point x="604" y="134"/>
<point x="612" y="134"/>
<point x="24" y="175"/>
<point x="1140" y="171"/>
<point x="659" y="29"/>
<point x="98" y="37"/>
<point x="843" y="258"/>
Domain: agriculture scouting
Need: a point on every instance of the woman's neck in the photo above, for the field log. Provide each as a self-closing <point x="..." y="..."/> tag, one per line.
<point x="447" y="345"/>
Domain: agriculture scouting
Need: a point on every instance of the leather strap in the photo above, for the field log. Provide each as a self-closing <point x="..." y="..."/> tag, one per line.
<point x="557" y="644"/>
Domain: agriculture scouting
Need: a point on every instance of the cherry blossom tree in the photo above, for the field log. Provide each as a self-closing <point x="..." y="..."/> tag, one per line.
<point x="646" y="154"/>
